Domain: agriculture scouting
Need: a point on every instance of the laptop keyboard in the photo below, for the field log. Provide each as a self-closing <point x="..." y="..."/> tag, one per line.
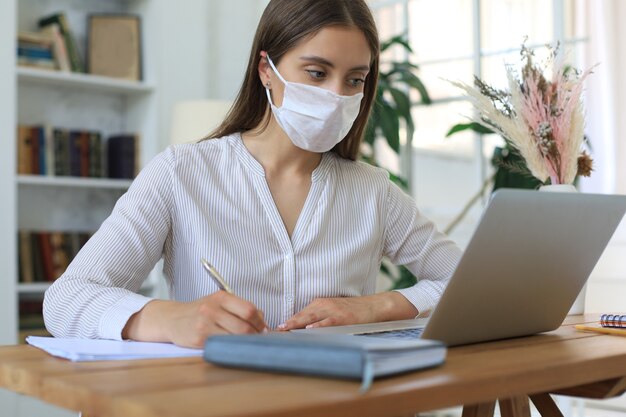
<point x="397" y="334"/>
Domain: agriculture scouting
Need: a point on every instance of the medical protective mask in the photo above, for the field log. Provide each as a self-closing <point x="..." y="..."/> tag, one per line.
<point x="315" y="119"/>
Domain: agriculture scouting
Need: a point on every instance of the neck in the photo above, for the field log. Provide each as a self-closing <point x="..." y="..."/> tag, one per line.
<point x="275" y="151"/>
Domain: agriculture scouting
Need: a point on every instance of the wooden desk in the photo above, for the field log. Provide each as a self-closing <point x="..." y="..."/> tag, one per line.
<point x="476" y="375"/>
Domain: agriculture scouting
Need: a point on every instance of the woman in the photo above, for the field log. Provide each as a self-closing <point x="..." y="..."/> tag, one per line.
<point x="273" y="199"/>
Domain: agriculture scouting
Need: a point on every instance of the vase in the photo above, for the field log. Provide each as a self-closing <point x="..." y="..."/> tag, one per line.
<point x="579" y="305"/>
<point x="559" y="188"/>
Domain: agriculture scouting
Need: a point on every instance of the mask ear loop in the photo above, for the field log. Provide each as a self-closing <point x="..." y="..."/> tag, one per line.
<point x="275" y="70"/>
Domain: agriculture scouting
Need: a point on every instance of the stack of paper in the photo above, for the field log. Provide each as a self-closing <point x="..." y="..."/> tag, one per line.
<point x="106" y="350"/>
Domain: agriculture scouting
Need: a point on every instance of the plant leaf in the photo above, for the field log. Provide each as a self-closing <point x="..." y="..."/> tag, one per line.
<point x="396" y="40"/>
<point x="476" y="127"/>
<point x="403" y="107"/>
<point x="399" y="181"/>
<point x="390" y="125"/>
<point x="385" y="270"/>
<point x="403" y="103"/>
<point x="414" y="81"/>
<point x="400" y="67"/>
<point x="407" y="279"/>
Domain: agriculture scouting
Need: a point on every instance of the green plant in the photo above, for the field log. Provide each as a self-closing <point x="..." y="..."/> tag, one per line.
<point x="511" y="170"/>
<point x="397" y="79"/>
<point x="393" y="103"/>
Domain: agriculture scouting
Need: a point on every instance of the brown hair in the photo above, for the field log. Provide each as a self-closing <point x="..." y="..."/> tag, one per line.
<point x="283" y="25"/>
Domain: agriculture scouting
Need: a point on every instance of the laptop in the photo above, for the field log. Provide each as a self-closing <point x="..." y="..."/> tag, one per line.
<point x="527" y="261"/>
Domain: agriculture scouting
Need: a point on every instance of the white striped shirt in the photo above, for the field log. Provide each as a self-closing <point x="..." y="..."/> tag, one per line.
<point x="211" y="200"/>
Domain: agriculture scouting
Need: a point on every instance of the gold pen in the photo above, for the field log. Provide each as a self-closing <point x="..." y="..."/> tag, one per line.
<point x="221" y="282"/>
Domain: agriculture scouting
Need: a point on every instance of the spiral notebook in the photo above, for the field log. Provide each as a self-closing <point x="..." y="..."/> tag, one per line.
<point x="613" y="320"/>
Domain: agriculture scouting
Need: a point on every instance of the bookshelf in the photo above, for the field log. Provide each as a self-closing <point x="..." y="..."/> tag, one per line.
<point x="105" y="183"/>
<point x="94" y="83"/>
<point x="80" y="101"/>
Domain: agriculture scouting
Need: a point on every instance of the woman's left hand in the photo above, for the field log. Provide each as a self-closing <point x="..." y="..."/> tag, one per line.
<point x="323" y="312"/>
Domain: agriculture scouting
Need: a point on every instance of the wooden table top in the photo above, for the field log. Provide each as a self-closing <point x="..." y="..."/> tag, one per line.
<point x="190" y="387"/>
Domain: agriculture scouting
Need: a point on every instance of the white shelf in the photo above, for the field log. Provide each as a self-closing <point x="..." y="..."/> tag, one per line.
<point x="82" y="81"/>
<point x="41" y="287"/>
<point x="75" y="182"/>
<point x="33" y="288"/>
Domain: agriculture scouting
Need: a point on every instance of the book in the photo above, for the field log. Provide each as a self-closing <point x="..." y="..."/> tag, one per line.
<point x="60" y="253"/>
<point x="35" y="49"/>
<point x="44" y="256"/>
<point x="35" y="151"/>
<point x="25" y="257"/>
<point x="60" y="19"/>
<point x="39" y="151"/>
<point x="40" y="39"/>
<point x="613" y="320"/>
<point x="61" y="139"/>
<point x="122" y="156"/>
<point x="340" y="356"/>
<point x="53" y="31"/>
<point x="48" y="150"/>
<point x="37" y="259"/>
<point x="95" y="154"/>
<point x="35" y="52"/>
<point x="75" y="152"/>
<point x="24" y="150"/>
<point x="114" y="46"/>
<point x="46" y="64"/>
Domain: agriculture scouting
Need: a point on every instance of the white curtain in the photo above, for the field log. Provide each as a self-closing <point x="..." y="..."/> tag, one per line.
<point x="602" y="21"/>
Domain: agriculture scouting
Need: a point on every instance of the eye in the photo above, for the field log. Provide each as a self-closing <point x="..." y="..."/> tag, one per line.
<point x="317" y="75"/>
<point x="356" y="82"/>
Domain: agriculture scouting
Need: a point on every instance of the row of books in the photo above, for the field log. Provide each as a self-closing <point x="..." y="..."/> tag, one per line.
<point x="42" y="150"/>
<point x="30" y="319"/>
<point x="31" y="314"/>
<point x="44" y="256"/>
<point x="53" y="47"/>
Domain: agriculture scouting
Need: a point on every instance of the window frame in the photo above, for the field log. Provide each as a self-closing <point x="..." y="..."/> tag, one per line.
<point x="477" y="56"/>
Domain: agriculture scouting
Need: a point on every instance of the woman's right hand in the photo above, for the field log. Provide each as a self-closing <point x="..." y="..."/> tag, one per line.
<point x="189" y="324"/>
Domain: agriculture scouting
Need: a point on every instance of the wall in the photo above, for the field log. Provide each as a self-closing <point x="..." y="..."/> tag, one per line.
<point x="205" y="51"/>
<point x="233" y="24"/>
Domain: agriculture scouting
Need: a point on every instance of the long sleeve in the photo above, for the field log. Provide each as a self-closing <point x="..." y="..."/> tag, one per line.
<point x="97" y="294"/>
<point x="414" y="241"/>
<point x="210" y="199"/>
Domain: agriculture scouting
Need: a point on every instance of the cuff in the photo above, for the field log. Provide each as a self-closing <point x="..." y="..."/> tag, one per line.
<point x="115" y="318"/>
<point x="422" y="301"/>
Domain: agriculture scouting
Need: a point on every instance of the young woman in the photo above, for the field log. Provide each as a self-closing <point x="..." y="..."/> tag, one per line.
<point x="274" y="199"/>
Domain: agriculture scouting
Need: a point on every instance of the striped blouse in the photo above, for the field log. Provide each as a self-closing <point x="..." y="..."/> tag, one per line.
<point x="211" y="200"/>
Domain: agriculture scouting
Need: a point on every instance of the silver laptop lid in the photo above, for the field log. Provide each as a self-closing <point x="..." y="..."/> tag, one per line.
<point x="525" y="264"/>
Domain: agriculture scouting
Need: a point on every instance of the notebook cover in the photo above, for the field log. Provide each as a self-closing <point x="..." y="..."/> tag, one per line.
<point x="343" y="356"/>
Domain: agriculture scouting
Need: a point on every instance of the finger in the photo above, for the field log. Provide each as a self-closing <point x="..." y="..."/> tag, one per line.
<point x="198" y="339"/>
<point x="234" y="324"/>
<point x="246" y="311"/>
<point x="327" y="322"/>
<point x="302" y="319"/>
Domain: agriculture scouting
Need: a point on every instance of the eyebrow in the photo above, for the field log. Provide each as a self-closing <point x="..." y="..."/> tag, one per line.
<point x="323" y="61"/>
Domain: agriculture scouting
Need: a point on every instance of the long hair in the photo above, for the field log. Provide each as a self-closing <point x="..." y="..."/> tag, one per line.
<point x="283" y="25"/>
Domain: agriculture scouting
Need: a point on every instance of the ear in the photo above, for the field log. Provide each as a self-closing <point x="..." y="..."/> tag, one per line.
<point x="265" y="71"/>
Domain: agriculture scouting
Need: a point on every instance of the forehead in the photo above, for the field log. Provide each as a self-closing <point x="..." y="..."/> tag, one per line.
<point x="343" y="46"/>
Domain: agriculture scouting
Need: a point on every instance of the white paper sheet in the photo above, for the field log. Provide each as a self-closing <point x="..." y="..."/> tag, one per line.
<point x="78" y="350"/>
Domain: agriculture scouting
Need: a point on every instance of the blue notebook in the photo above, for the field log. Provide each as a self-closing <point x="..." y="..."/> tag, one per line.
<point x="340" y="356"/>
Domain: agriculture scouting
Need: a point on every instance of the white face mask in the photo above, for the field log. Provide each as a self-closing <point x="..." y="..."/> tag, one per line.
<point x="315" y="119"/>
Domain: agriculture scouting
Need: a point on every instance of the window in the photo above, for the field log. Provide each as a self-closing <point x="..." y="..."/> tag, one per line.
<point x="453" y="40"/>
